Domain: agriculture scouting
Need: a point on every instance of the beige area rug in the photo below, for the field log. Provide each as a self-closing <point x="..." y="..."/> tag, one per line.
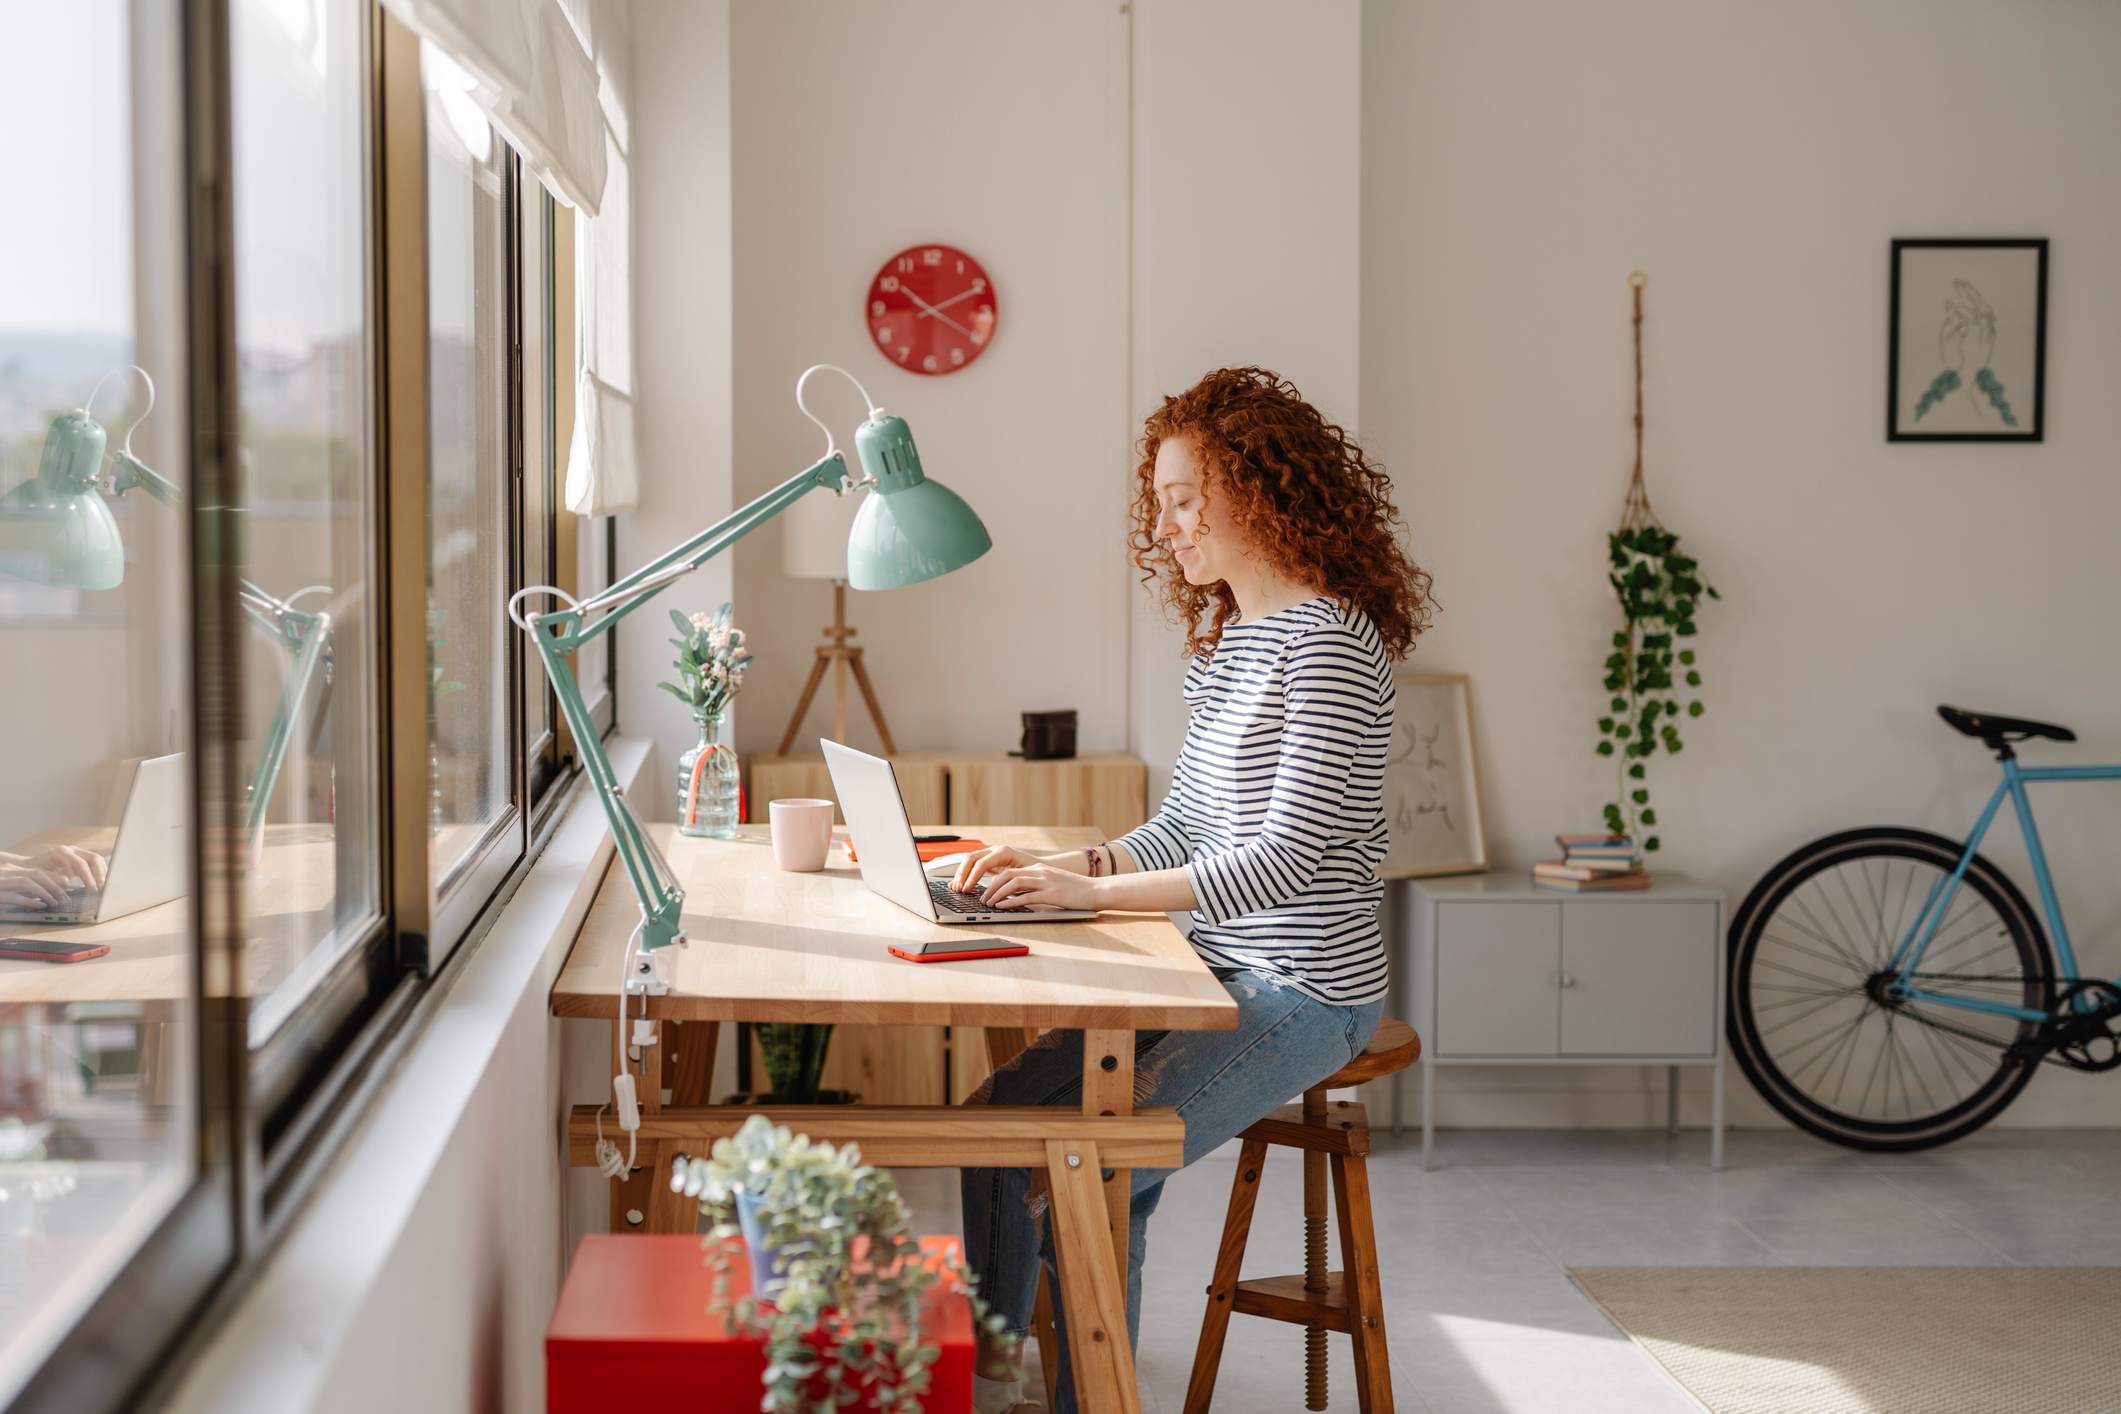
<point x="1876" y="1340"/>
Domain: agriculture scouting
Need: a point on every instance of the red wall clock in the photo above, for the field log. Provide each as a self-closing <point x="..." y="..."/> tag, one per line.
<point x="931" y="309"/>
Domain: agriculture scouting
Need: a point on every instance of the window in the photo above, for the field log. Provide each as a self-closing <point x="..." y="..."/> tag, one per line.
<point x="470" y="496"/>
<point x="217" y="606"/>
<point x="100" y="1096"/>
<point x="307" y="478"/>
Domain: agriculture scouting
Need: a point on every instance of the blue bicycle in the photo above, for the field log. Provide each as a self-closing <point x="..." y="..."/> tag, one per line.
<point x="1892" y="990"/>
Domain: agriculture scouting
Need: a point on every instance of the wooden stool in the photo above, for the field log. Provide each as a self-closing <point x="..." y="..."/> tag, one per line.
<point x="1350" y="1300"/>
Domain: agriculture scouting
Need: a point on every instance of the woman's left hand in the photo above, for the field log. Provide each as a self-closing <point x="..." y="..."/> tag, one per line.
<point x="1041" y="884"/>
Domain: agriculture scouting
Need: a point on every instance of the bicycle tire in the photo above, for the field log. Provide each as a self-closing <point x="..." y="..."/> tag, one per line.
<point x="1791" y="1098"/>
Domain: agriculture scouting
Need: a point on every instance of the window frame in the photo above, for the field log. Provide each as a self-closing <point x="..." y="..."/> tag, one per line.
<point x="271" y="1118"/>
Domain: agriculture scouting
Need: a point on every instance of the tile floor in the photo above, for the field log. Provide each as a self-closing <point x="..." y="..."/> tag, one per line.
<point x="1482" y="1315"/>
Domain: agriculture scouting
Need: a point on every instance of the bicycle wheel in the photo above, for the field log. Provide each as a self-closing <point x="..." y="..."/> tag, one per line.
<point x="1811" y="1023"/>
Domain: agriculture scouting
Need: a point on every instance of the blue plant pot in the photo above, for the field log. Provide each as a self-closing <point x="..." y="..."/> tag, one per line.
<point x="768" y="1271"/>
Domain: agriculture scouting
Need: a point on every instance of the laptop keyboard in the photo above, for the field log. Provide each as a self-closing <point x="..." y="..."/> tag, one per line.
<point x="951" y="901"/>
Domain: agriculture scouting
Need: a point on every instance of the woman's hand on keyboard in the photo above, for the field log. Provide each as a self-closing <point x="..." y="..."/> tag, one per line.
<point x="985" y="862"/>
<point x="1040" y="882"/>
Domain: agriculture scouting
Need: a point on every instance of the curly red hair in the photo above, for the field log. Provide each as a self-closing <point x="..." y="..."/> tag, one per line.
<point x="1297" y="489"/>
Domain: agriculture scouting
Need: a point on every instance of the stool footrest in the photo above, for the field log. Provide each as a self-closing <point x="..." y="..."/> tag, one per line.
<point x="1343" y="1129"/>
<point x="1284" y="1299"/>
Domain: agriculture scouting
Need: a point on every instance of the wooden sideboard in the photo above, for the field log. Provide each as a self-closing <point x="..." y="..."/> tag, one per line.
<point x="1107" y="791"/>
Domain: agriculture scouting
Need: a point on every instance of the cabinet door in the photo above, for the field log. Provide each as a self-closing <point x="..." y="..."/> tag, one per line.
<point x="1496" y="965"/>
<point x="1639" y="979"/>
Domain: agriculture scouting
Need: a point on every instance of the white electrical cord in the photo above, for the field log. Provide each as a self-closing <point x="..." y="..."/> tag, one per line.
<point x="609" y="1161"/>
<point x="832" y="445"/>
<point x="90" y="406"/>
<point x="521" y="621"/>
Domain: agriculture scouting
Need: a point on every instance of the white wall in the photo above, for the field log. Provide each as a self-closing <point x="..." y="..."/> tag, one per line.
<point x="1518" y="162"/>
<point x="1247" y="121"/>
<point x="1000" y="129"/>
<point x="684" y="345"/>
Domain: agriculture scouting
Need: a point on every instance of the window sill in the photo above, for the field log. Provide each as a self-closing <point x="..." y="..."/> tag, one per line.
<point x="454" y="1177"/>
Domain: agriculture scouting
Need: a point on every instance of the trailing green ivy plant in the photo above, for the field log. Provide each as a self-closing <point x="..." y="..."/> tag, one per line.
<point x="1651" y="680"/>
<point x="844" y="1324"/>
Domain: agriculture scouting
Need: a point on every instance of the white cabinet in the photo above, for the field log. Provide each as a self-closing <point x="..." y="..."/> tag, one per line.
<point x="1493" y="970"/>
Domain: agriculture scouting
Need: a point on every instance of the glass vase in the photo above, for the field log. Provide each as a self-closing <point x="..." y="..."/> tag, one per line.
<point x="708" y="783"/>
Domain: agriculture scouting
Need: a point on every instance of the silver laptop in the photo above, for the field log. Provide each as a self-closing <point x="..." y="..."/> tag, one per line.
<point x="889" y="860"/>
<point x="148" y="862"/>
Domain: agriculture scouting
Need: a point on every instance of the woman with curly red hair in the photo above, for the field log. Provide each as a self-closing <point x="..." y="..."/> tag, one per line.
<point x="1270" y="534"/>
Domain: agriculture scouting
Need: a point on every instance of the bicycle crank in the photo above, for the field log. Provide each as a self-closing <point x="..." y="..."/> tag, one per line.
<point x="2081" y="1032"/>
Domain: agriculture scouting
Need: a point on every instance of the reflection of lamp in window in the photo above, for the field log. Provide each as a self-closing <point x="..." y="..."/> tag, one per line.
<point x="57" y="529"/>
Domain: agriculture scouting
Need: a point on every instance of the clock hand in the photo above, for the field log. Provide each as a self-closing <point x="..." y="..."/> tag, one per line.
<point x="945" y="304"/>
<point x="936" y="310"/>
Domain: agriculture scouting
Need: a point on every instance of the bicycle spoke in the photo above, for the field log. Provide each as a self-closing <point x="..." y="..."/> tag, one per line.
<point x="1793" y="971"/>
<point x="1840" y="928"/>
<point x="1850" y="960"/>
<point x="1848" y="1061"/>
<point x="1841" y="877"/>
<point x="1910" y="1068"/>
<point x="1817" y="1007"/>
<point x="1827" y="958"/>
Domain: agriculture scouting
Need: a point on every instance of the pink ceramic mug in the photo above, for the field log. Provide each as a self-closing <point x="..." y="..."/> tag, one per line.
<point x="802" y="833"/>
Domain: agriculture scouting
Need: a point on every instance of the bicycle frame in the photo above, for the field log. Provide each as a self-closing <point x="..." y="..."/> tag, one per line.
<point x="1908" y="954"/>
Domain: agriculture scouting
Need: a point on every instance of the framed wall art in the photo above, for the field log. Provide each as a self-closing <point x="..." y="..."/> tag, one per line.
<point x="1432" y="781"/>
<point x="1968" y="354"/>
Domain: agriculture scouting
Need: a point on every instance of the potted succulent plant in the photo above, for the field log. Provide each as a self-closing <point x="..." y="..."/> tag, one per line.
<point x="838" y="1276"/>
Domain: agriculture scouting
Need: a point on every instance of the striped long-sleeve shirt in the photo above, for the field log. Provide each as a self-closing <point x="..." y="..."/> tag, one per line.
<point x="1276" y="809"/>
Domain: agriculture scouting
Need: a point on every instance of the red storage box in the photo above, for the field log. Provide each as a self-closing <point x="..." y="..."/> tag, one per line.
<point x="632" y="1331"/>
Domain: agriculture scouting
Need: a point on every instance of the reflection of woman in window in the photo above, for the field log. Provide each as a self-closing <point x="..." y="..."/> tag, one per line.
<point x="42" y="879"/>
<point x="1271" y="535"/>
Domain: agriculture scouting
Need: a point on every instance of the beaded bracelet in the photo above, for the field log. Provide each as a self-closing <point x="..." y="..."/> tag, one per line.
<point x="1096" y="861"/>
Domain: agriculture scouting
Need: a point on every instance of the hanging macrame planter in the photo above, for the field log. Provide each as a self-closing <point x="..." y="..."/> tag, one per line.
<point x="1651" y="679"/>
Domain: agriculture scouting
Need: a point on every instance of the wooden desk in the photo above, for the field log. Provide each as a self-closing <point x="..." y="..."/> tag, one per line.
<point x="770" y="946"/>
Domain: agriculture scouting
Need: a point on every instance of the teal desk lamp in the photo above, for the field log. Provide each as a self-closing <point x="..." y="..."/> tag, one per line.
<point x="909" y="529"/>
<point x="56" y="529"/>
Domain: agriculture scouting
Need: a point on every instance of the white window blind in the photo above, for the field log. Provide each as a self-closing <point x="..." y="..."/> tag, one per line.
<point x="551" y="76"/>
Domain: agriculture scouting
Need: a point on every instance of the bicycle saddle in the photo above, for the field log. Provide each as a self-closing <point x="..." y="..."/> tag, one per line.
<point x="1997" y="730"/>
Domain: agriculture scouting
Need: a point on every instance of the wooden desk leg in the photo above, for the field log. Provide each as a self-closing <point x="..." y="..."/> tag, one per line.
<point x="1093" y="1293"/>
<point x="1004" y="1044"/>
<point x="688" y="1049"/>
<point x="1108" y="1089"/>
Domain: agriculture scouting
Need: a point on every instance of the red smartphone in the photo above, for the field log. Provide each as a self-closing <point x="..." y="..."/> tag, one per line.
<point x="960" y="950"/>
<point x="50" y="950"/>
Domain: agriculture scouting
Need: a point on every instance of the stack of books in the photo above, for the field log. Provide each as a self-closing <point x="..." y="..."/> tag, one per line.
<point x="1597" y="862"/>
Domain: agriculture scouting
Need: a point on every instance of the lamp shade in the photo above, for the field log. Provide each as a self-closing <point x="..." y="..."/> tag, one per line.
<point x="55" y="528"/>
<point x="909" y="528"/>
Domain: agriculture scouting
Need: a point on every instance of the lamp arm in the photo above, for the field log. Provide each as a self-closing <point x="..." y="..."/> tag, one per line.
<point x="128" y="471"/>
<point x="309" y="651"/>
<point x="558" y="633"/>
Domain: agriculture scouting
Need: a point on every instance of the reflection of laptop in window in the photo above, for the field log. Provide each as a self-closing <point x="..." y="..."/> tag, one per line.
<point x="890" y="862"/>
<point x="148" y="860"/>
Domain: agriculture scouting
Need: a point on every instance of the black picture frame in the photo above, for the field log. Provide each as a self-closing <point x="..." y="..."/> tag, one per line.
<point x="1895" y="395"/>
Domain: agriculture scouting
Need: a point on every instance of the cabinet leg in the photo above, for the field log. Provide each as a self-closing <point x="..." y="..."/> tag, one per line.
<point x="1671" y="1099"/>
<point x="1428" y="1118"/>
<point x="1716" y="1115"/>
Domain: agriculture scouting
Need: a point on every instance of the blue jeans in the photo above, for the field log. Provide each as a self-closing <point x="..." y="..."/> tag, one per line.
<point x="1220" y="1082"/>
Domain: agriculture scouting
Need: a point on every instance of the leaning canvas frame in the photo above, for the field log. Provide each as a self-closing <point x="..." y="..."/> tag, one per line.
<point x="1966" y="355"/>
<point x="1432" y="781"/>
